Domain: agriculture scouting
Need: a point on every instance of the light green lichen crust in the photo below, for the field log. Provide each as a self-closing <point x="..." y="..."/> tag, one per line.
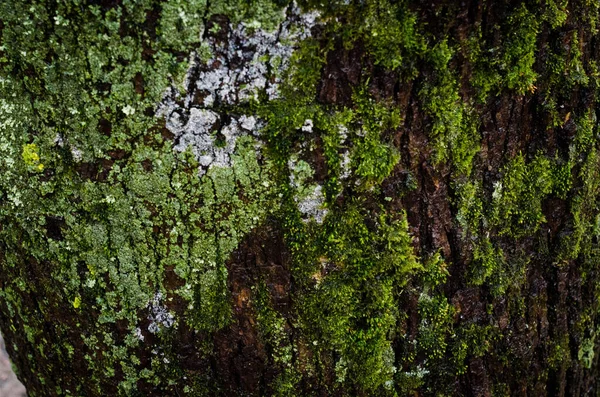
<point x="99" y="214"/>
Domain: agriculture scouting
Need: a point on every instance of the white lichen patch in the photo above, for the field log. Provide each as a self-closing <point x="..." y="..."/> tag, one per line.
<point x="307" y="126"/>
<point x="248" y="123"/>
<point x="247" y="63"/>
<point x="497" y="193"/>
<point x="128" y="110"/>
<point x="75" y="152"/>
<point x="159" y="315"/>
<point x="345" y="165"/>
<point x="311" y="206"/>
<point x="346" y="159"/>
<point x="308" y="196"/>
<point x="138" y="334"/>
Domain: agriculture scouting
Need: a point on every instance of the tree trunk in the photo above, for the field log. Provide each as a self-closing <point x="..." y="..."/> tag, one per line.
<point x="343" y="198"/>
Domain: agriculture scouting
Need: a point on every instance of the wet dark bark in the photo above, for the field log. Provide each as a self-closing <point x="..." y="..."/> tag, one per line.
<point x="552" y="301"/>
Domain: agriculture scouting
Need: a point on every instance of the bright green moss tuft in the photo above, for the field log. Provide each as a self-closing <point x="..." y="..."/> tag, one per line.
<point x="373" y="158"/>
<point x="454" y="132"/>
<point x="517" y="197"/>
<point x="348" y="303"/>
<point x="436" y="315"/>
<point x="519" y="54"/>
<point x="510" y="65"/>
<point x="257" y="14"/>
<point x="391" y="33"/>
<point x="556" y="13"/>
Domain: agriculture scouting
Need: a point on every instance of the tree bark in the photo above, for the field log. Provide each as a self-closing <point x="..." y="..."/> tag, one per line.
<point x="271" y="198"/>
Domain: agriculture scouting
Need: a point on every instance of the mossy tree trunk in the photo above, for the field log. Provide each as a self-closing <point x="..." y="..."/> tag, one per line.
<point x="229" y="197"/>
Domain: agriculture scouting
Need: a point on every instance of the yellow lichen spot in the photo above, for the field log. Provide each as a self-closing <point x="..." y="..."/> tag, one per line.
<point x="31" y="157"/>
<point x="92" y="269"/>
<point x="77" y="302"/>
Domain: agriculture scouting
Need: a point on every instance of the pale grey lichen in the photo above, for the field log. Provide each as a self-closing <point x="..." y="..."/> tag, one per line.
<point x="249" y="62"/>
<point x="138" y="334"/>
<point x="128" y="110"/>
<point x="311" y="206"/>
<point x="248" y="123"/>
<point x="75" y="152"/>
<point x="307" y="126"/>
<point x="308" y="196"/>
<point x="346" y="159"/>
<point x="345" y="165"/>
<point x="159" y="315"/>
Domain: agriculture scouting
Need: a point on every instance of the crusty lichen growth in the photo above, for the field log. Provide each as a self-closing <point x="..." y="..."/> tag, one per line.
<point x="97" y="200"/>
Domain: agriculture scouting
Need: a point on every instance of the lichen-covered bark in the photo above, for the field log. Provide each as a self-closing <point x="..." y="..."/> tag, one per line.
<point x="312" y="198"/>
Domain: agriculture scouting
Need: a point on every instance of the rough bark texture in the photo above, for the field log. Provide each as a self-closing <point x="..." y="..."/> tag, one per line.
<point x="323" y="198"/>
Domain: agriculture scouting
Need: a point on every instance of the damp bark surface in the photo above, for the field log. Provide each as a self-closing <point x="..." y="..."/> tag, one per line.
<point x="319" y="199"/>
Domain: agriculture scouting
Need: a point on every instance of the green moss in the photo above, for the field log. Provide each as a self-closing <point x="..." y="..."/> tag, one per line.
<point x="391" y="34"/>
<point x="556" y="13"/>
<point x="389" y="31"/>
<point x="484" y="78"/>
<point x="436" y="315"/>
<point x="583" y="209"/>
<point x="508" y="66"/>
<point x="585" y="135"/>
<point x="124" y="209"/>
<point x="335" y="146"/>
<point x="519" y="56"/>
<point x="181" y="22"/>
<point x="574" y="68"/>
<point x="305" y="71"/>
<point x="472" y="340"/>
<point x="434" y="272"/>
<point x="272" y="327"/>
<point x="514" y="211"/>
<point x="347" y="305"/>
<point x="517" y="197"/>
<point x="488" y="262"/>
<point x="98" y="206"/>
<point x="559" y="352"/>
<point x="586" y="352"/>
<point x="562" y="178"/>
<point x="453" y="130"/>
<point x="590" y="16"/>
<point x="470" y="209"/>
<point x="373" y="158"/>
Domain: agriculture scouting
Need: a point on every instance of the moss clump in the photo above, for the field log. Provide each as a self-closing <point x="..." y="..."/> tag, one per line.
<point x="373" y="158"/>
<point x="584" y="209"/>
<point x="473" y="340"/>
<point x="509" y="66"/>
<point x="274" y="331"/>
<point x="126" y="243"/>
<point x="453" y="129"/>
<point x="556" y="13"/>
<point x="351" y="283"/>
<point x="517" y="197"/>
<point x="435" y="311"/>
<point x="391" y="34"/>
<point x="389" y="31"/>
